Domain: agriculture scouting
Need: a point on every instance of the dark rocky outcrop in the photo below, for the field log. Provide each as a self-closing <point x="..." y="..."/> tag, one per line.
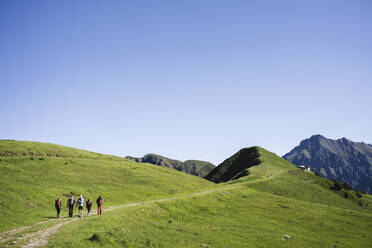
<point x="342" y="159"/>
<point x="236" y="166"/>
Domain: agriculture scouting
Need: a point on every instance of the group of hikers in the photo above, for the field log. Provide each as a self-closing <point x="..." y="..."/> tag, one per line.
<point x="79" y="204"/>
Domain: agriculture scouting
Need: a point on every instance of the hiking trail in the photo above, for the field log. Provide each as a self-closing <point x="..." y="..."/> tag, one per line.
<point x="40" y="238"/>
<point x="22" y="238"/>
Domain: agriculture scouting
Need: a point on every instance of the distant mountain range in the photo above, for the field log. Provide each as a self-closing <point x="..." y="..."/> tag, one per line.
<point x="342" y="159"/>
<point x="193" y="167"/>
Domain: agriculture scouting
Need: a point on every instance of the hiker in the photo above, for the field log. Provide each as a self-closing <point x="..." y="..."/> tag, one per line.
<point x="88" y="205"/>
<point x="70" y="204"/>
<point x="80" y="205"/>
<point x="99" y="205"/>
<point x="58" y="206"/>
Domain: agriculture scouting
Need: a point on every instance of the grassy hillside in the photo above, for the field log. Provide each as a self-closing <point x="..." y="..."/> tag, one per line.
<point x="38" y="149"/>
<point x="197" y="167"/>
<point x="235" y="166"/>
<point x="236" y="217"/>
<point x="258" y="210"/>
<point x="29" y="185"/>
<point x="193" y="167"/>
<point x="279" y="177"/>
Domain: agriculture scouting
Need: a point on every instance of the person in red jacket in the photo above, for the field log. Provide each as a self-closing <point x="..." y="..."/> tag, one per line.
<point x="99" y="205"/>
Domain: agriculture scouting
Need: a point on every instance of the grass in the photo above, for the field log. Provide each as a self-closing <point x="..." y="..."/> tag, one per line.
<point x="257" y="210"/>
<point x="39" y="149"/>
<point x="279" y="177"/>
<point x="29" y="186"/>
<point x="197" y="167"/>
<point x="232" y="167"/>
<point x="238" y="217"/>
<point x="194" y="167"/>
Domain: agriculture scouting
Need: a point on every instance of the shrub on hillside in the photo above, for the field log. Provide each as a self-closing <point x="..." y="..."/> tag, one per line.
<point x="336" y="186"/>
<point x="347" y="186"/>
<point x="95" y="237"/>
<point x="346" y="195"/>
<point x="316" y="174"/>
<point x="358" y="194"/>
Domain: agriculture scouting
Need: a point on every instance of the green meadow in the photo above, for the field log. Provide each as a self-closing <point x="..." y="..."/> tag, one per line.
<point x="29" y="185"/>
<point x="276" y="205"/>
<point x="235" y="217"/>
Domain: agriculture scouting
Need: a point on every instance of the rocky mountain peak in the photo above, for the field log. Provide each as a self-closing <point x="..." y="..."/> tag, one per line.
<point x="341" y="159"/>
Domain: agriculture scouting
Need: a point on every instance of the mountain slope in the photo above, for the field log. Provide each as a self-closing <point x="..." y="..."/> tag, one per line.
<point x="276" y="205"/>
<point x="342" y="159"/>
<point x="235" y="166"/>
<point x="12" y="148"/>
<point x="29" y="184"/>
<point x="237" y="217"/>
<point x="264" y="171"/>
<point x="194" y="167"/>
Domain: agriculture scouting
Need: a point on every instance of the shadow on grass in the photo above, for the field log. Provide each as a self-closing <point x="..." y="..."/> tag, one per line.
<point x="54" y="217"/>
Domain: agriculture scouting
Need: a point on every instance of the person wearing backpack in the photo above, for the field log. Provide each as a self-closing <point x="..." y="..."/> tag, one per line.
<point x="89" y="206"/>
<point x="99" y="205"/>
<point x="70" y="205"/>
<point x="80" y="205"/>
<point x="58" y="204"/>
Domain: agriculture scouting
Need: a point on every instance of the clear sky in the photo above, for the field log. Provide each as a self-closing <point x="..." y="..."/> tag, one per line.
<point x="185" y="79"/>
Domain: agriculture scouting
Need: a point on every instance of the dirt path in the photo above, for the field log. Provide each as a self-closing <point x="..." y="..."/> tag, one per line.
<point x="5" y="236"/>
<point x="41" y="237"/>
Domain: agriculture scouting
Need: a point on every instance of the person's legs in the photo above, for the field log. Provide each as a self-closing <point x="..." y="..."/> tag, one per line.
<point x="80" y="210"/>
<point x="100" y="210"/>
<point x="71" y="209"/>
<point x="58" y="210"/>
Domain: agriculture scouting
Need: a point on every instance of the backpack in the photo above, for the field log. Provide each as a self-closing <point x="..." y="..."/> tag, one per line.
<point x="57" y="204"/>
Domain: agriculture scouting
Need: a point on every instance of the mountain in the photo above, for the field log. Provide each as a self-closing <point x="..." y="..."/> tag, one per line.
<point x="271" y="204"/>
<point x="193" y="167"/>
<point x="342" y="159"/>
<point x="235" y="166"/>
<point x="276" y="205"/>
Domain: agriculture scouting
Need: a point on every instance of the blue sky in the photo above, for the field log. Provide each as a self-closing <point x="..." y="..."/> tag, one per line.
<point x="185" y="79"/>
